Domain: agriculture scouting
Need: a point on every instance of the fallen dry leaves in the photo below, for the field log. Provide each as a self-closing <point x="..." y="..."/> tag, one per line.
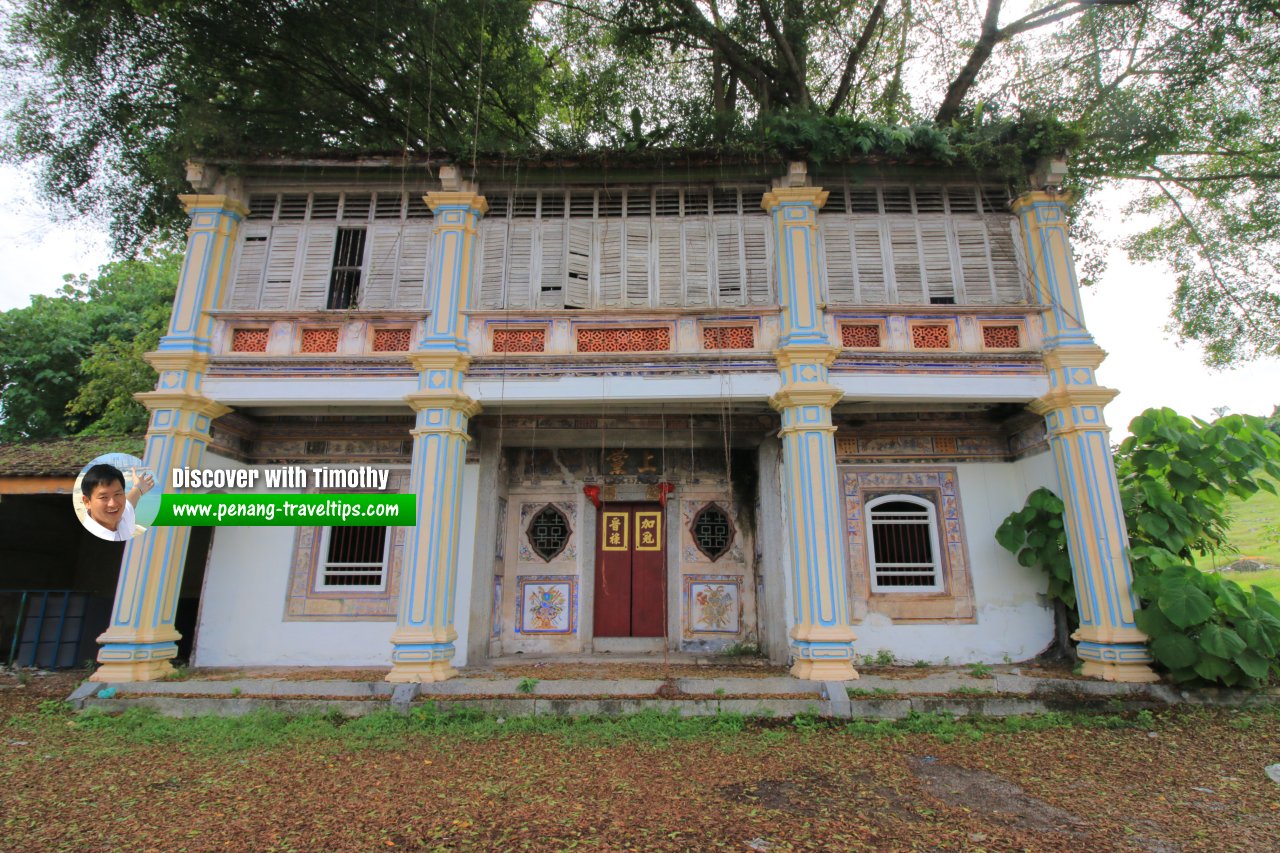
<point x="1197" y="784"/>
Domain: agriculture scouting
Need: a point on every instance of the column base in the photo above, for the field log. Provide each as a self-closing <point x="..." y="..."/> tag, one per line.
<point x="436" y="670"/>
<point x="142" y="670"/>
<point x="824" y="670"/>
<point x="1131" y="673"/>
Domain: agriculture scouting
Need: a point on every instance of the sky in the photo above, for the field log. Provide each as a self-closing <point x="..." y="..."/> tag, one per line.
<point x="1126" y="311"/>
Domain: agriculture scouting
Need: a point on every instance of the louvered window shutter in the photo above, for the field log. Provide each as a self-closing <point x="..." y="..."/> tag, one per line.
<point x="975" y="265"/>
<point x="317" y="266"/>
<point x="578" y="283"/>
<point x="493" y="264"/>
<point x="382" y="253"/>
<point x="411" y="276"/>
<point x="868" y="243"/>
<point x="520" y="262"/>
<point x="906" y="261"/>
<point x="756" y="258"/>
<point x="729" y="288"/>
<point x="670" y="262"/>
<point x="697" y="271"/>
<point x="1010" y="289"/>
<point x="282" y="257"/>
<point x="838" y="255"/>
<point x="246" y="289"/>
<point x="609" y="238"/>
<point x="935" y="248"/>
<point x="551" y="284"/>
<point x="636" y="233"/>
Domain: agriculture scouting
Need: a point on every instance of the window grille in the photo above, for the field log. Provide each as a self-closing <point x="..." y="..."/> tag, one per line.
<point x="548" y="532"/>
<point x="348" y="263"/>
<point x="712" y="531"/>
<point x="904" y="545"/>
<point x="355" y="559"/>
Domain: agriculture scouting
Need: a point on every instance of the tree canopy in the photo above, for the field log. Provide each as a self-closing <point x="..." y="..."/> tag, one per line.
<point x="1176" y="98"/>
<point x="70" y="363"/>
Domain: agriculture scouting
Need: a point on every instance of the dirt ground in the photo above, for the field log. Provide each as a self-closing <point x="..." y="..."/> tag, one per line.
<point x="1178" y="781"/>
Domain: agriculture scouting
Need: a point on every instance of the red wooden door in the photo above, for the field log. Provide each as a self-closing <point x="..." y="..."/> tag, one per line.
<point x="631" y="577"/>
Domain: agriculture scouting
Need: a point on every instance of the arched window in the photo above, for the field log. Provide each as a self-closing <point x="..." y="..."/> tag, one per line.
<point x="904" y="545"/>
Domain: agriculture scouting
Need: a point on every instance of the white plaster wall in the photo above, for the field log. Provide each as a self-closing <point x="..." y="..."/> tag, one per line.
<point x="243" y="602"/>
<point x="1014" y="620"/>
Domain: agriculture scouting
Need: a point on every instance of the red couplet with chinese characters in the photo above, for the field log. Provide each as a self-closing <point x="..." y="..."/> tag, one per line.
<point x="631" y="577"/>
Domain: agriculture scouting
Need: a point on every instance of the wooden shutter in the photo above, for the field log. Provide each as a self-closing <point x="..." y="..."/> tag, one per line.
<point x="729" y="288"/>
<point x="411" y="275"/>
<point x="577" y="292"/>
<point x="670" y="265"/>
<point x="975" y="265"/>
<point x="757" y="259"/>
<point x="282" y="257"/>
<point x="906" y="261"/>
<point x="636" y="236"/>
<point x="1005" y="262"/>
<point x="317" y="267"/>
<point x="382" y="253"/>
<point x="872" y="276"/>
<point x="609" y="239"/>
<point x="246" y="287"/>
<point x="493" y="264"/>
<point x="935" y="249"/>
<point x="520" y="262"/>
<point x="697" y="263"/>
<point x="837" y="251"/>
<point x="552" y="279"/>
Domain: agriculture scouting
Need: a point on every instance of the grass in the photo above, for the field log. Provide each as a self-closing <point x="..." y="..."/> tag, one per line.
<point x="1249" y="536"/>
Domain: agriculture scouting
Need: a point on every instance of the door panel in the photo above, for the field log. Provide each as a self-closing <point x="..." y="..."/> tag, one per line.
<point x="630" y="594"/>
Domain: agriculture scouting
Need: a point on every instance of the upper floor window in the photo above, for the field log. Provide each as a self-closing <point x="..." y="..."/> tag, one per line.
<point x="355" y="560"/>
<point x="904" y="544"/>
<point x="348" y="264"/>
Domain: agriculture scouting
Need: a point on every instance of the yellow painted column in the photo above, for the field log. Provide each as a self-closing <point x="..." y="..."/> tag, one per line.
<point x="1109" y="642"/>
<point x="822" y="637"/>
<point x="423" y="640"/>
<point x="141" y="640"/>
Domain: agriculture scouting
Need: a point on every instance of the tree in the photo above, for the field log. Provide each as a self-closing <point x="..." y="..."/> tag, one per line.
<point x="70" y="363"/>
<point x="1178" y="98"/>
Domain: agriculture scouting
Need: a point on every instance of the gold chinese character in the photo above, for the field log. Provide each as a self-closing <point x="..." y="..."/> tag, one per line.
<point x="615" y="523"/>
<point x="646" y="538"/>
<point x="647" y="523"/>
<point x="615" y="538"/>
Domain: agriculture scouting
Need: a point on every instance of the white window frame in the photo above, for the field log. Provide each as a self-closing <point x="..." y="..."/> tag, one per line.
<point x="929" y="515"/>
<point x="323" y="567"/>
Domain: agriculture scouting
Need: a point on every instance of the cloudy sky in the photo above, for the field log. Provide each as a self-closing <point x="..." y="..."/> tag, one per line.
<point x="1126" y="312"/>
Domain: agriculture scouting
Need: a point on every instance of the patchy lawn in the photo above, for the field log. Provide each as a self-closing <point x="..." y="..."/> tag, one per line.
<point x="1177" y="781"/>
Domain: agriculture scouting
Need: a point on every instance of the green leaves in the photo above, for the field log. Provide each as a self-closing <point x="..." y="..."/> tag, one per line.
<point x="1174" y="474"/>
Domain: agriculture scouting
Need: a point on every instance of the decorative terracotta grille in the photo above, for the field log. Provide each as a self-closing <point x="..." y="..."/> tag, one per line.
<point x="944" y="444"/>
<point x="644" y="339"/>
<point x="729" y="337"/>
<point x="519" y="340"/>
<point x="931" y="337"/>
<point x="319" y="340"/>
<point x="390" y="340"/>
<point x="1001" y="337"/>
<point x="249" y="340"/>
<point x="860" y="335"/>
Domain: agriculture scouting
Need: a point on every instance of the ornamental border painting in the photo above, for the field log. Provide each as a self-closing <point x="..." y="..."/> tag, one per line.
<point x="713" y="604"/>
<point x="547" y="605"/>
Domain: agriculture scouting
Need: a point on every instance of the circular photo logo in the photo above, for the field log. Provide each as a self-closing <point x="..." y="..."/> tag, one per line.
<point x="116" y="497"/>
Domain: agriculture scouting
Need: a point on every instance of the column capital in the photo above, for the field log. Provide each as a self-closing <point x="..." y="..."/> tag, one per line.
<point x="1042" y="197"/>
<point x="815" y="196"/>
<point x="800" y="354"/>
<point x="1065" y="398"/>
<point x="1074" y="355"/>
<point x="424" y="360"/>
<point x="792" y="395"/>
<point x="454" y="401"/>
<point x="163" y="360"/>
<point x="193" y="203"/>
<point x="469" y="199"/>
<point x="184" y="400"/>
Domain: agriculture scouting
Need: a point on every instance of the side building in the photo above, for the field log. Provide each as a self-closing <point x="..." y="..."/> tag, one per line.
<point x="645" y="408"/>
